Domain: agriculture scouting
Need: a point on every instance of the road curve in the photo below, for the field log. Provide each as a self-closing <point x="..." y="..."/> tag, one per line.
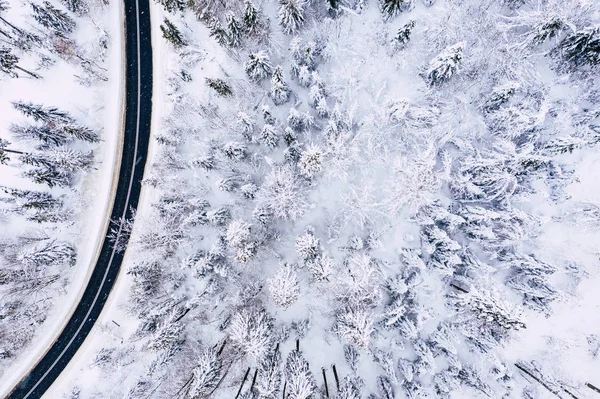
<point x="138" y="103"/>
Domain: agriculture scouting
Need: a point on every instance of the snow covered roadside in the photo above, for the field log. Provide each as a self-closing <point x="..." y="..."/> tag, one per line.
<point x="98" y="191"/>
<point x="114" y="323"/>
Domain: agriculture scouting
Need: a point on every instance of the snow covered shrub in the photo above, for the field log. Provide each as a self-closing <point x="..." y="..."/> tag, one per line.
<point x="283" y="194"/>
<point x="311" y="161"/>
<point x="445" y="65"/>
<point x="250" y="330"/>
<point x="284" y="286"/>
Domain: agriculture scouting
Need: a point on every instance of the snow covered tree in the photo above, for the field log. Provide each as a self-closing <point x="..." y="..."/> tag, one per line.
<point x="581" y="48"/>
<point x="173" y="6"/>
<point x="308" y="246"/>
<point x="486" y="318"/>
<point x="4" y="158"/>
<point x="251" y="331"/>
<point x="235" y="150"/>
<point x="284" y="286"/>
<point x="52" y="18"/>
<point x="280" y="92"/>
<point x="269" y="135"/>
<point x="48" y="176"/>
<point x="234" y="30"/>
<point x="48" y="253"/>
<point x="65" y="159"/>
<point x="218" y="32"/>
<point x="167" y="335"/>
<point x="301" y="382"/>
<point x="9" y="62"/>
<point x="445" y="65"/>
<point x="311" y="162"/>
<point x="391" y="8"/>
<point x="283" y="194"/>
<point x="43" y="114"/>
<point x="291" y="15"/>
<point x="251" y="17"/>
<point x="78" y="7"/>
<point x="220" y="86"/>
<point x="355" y="325"/>
<point x="172" y="34"/>
<point x="238" y="233"/>
<point x="246" y="125"/>
<point x="258" y="66"/>
<point x="404" y="33"/>
<point x="270" y="372"/>
<point x="351" y="388"/>
<point x="385" y="388"/>
<point x="500" y="95"/>
<point x="206" y="374"/>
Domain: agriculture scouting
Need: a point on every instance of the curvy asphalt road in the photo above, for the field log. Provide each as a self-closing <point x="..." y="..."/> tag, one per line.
<point x="138" y="110"/>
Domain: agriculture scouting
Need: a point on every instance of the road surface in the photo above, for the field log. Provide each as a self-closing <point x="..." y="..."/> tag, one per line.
<point x="138" y="103"/>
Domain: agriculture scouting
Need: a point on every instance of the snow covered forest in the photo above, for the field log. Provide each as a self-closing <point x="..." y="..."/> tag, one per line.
<point x="53" y="76"/>
<point x="405" y="189"/>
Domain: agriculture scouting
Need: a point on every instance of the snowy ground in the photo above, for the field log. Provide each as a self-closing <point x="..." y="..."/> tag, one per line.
<point x="101" y="108"/>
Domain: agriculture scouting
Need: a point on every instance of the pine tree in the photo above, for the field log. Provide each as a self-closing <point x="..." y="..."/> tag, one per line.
<point x="351" y="388"/>
<point x="8" y="64"/>
<point x="280" y="92"/>
<point x="48" y="136"/>
<point x="270" y="372"/>
<point x="173" y="6"/>
<point x="206" y="374"/>
<point x="391" y="8"/>
<point x="258" y="66"/>
<point x="64" y="159"/>
<point x="220" y="86"/>
<point x="246" y="125"/>
<point x="251" y="22"/>
<point x="234" y="29"/>
<point x="79" y="7"/>
<point x="269" y="135"/>
<point x="445" y="65"/>
<point x="301" y="382"/>
<point x="50" y="177"/>
<point x="218" y="32"/>
<point x="172" y="34"/>
<point x="4" y="158"/>
<point x="404" y="33"/>
<point x="52" y="18"/>
<point x="311" y="161"/>
<point x="291" y="15"/>
<point x="33" y="200"/>
<point x="47" y="254"/>
<point x="250" y="330"/>
<point x="582" y="48"/>
<point x="43" y="114"/>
